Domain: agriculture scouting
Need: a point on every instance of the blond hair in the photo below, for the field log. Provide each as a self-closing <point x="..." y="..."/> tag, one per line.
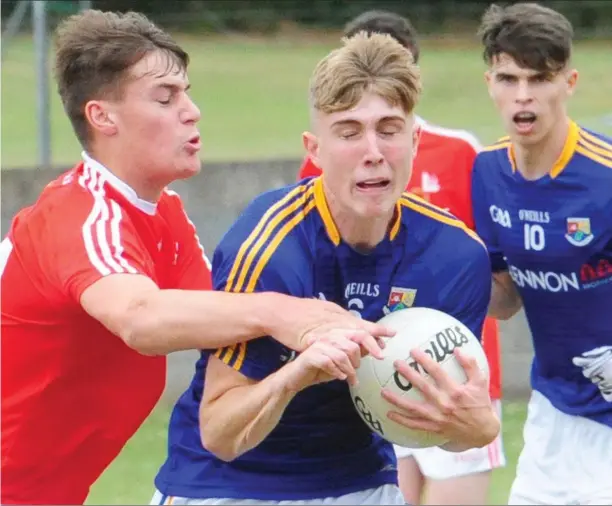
<point x="374" y="63"/>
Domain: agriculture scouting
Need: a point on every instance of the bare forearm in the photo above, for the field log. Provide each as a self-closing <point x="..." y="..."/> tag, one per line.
<point x="505" y="299"/>
<point x="243" y="417"/>
<point x="173" y="320"/>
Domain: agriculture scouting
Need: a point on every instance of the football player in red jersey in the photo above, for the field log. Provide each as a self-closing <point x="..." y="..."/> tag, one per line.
<point x="104" y="275"/>
<point x="441" y="175"/>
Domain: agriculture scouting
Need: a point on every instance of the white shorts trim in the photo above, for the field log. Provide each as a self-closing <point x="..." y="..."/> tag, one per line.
<point x="565" y="460"/>
<point x="386" y="494"/>
<point x="438" y="464"/>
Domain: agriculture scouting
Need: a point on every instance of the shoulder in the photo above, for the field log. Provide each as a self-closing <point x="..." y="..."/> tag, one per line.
<point x="72" y="202"/>
<point x="596" y="148"/>
<point x="265" y="241"/>
<point x="493" y="158"/>
<point x="451" y="233"/>
<point x="457" y="138"/>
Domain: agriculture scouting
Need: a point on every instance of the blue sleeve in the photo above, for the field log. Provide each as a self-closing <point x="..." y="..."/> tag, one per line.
<point x="467" y="294"/>
<point x="483" y="222"/>
<point x="258" y="255"/>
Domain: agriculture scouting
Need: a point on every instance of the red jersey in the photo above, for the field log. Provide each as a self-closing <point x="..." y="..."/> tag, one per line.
<point x="72" y="392"/>
<point x="442" y="175"/>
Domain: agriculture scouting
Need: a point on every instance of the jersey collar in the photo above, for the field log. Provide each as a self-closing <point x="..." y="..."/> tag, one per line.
<point x="328" y="221"/>
<point x="124" y="189"/>
<point x="571" y="141"/>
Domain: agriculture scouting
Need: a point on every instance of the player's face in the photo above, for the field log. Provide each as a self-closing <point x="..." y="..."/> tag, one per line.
<point x="365" y="154"/>
<point x="531" y="103"/>
<point x="156" y="121"/>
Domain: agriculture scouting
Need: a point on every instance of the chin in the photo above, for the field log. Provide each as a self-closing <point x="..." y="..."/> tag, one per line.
<point x="189" y="171"/>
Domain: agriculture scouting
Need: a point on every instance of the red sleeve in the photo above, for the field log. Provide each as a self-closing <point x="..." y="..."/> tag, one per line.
<point x="96" y="240"/>
<point x="308" y="169"/>
<point x="194" y="268"/>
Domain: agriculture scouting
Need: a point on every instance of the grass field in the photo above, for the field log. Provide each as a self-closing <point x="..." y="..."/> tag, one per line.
<point x="253" y="96"/>
<point x="129" y="480"/>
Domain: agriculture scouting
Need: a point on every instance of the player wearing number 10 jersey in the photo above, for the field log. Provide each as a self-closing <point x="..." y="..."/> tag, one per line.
<point x="543" y="205"/>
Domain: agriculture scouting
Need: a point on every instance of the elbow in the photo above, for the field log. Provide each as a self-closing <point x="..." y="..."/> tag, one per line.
<point x="217" y="443"/>
<point x="218" y="448"/>
<point x="139" y="327"/>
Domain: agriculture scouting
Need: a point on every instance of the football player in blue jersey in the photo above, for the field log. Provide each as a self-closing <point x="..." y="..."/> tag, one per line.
<point x="261" y="424"/>
<point x="543" y="205"/>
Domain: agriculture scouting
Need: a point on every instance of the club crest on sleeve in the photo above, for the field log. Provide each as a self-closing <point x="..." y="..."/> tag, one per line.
<point x="579" y="231"/>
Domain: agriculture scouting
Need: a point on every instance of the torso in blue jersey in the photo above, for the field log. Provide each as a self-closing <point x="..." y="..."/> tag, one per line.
<point x="286" y="241"/>
<point x="554" y="235"/>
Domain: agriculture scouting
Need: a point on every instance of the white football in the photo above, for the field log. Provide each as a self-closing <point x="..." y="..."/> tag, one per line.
<point x="430" y="330"/>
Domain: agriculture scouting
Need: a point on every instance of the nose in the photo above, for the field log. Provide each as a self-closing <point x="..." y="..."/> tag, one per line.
<point x="191" y="112"/>
<point x="373" y="155"/>
<point x="523" y="92"/>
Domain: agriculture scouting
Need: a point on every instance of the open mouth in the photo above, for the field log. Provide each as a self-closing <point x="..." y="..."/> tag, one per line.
<point x="373" y="184"/>
<point x="524" y="120"/>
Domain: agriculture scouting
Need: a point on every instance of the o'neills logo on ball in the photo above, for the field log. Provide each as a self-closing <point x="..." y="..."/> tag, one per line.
<point x="441" y="346"/>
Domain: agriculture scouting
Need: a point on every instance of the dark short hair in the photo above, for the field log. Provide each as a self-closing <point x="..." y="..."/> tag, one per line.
<point x="94" y="53"/>
<point x="536" y="37"/>
<point x="389" y="23"/>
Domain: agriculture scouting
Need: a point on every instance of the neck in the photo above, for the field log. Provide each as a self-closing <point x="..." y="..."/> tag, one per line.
<point x="537" y="160"/>
<point x="129" y="173"/>
<point x="362" y="234"/>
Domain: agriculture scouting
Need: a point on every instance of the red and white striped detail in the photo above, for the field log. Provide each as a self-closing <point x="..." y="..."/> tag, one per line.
<point x="495" y="449"/>
<point x="102" y="228"/>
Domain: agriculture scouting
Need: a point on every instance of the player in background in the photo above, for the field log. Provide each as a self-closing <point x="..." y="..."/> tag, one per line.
<point x="260" y="424"/>
<point x="441" y="175"/>
<point x="104" y="275"/>
<point x="543" y="205"/>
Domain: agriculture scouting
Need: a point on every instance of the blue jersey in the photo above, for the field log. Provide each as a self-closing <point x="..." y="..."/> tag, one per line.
<point x="554" y="237"/>
<point x="286" y="241"/>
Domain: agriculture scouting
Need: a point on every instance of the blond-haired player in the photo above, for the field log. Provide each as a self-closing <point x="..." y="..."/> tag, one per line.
<point x="260" y="424"/>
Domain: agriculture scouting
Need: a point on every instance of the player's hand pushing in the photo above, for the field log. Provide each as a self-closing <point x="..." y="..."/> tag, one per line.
<point x="301" y="322"/>
<point x="460" y="413"/>
<point x="333" y="356"/>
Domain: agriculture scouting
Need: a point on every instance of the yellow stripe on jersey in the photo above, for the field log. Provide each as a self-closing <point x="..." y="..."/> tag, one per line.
<point x="502" y="143"/>
<point x="274" y="243"/>
<point x="265" y="228"/>
<point x="569" y="148"/>
<point x="424" y="203"/>
<point x="233" y="355"/>
<point x="596" y="140"/>
<point x="328" y="221"/>
<point x="587" y="151"/>
<point x="600" y="152"/>
<point x="224" y="354"/>
<point x="444" y="218"/>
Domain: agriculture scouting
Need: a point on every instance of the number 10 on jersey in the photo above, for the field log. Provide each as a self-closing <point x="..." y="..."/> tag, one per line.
<point x="534" y="237"/>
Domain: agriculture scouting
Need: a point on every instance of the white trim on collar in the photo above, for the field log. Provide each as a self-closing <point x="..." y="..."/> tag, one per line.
<point x="127" y="191"/>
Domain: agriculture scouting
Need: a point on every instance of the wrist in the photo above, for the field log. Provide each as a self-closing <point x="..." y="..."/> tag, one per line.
<point x="264" y="316"/>
<point x="284" y="383"/>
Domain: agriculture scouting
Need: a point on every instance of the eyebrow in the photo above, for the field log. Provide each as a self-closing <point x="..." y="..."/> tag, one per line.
<point x="354" y="122"/>
<point x="173" y="86"/>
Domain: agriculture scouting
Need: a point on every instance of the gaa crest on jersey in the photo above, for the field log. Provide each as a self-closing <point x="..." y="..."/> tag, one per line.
<point x="401" y="298"/>
<point x="579" y="231"/>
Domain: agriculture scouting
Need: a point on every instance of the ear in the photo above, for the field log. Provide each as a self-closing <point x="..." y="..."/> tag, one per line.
<point x="572" y="81"/>
<point x="311" y="144"/>
<point x="488" y="77"/>
<point x="100" y="117"/>
<point x="416" y="139"/>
